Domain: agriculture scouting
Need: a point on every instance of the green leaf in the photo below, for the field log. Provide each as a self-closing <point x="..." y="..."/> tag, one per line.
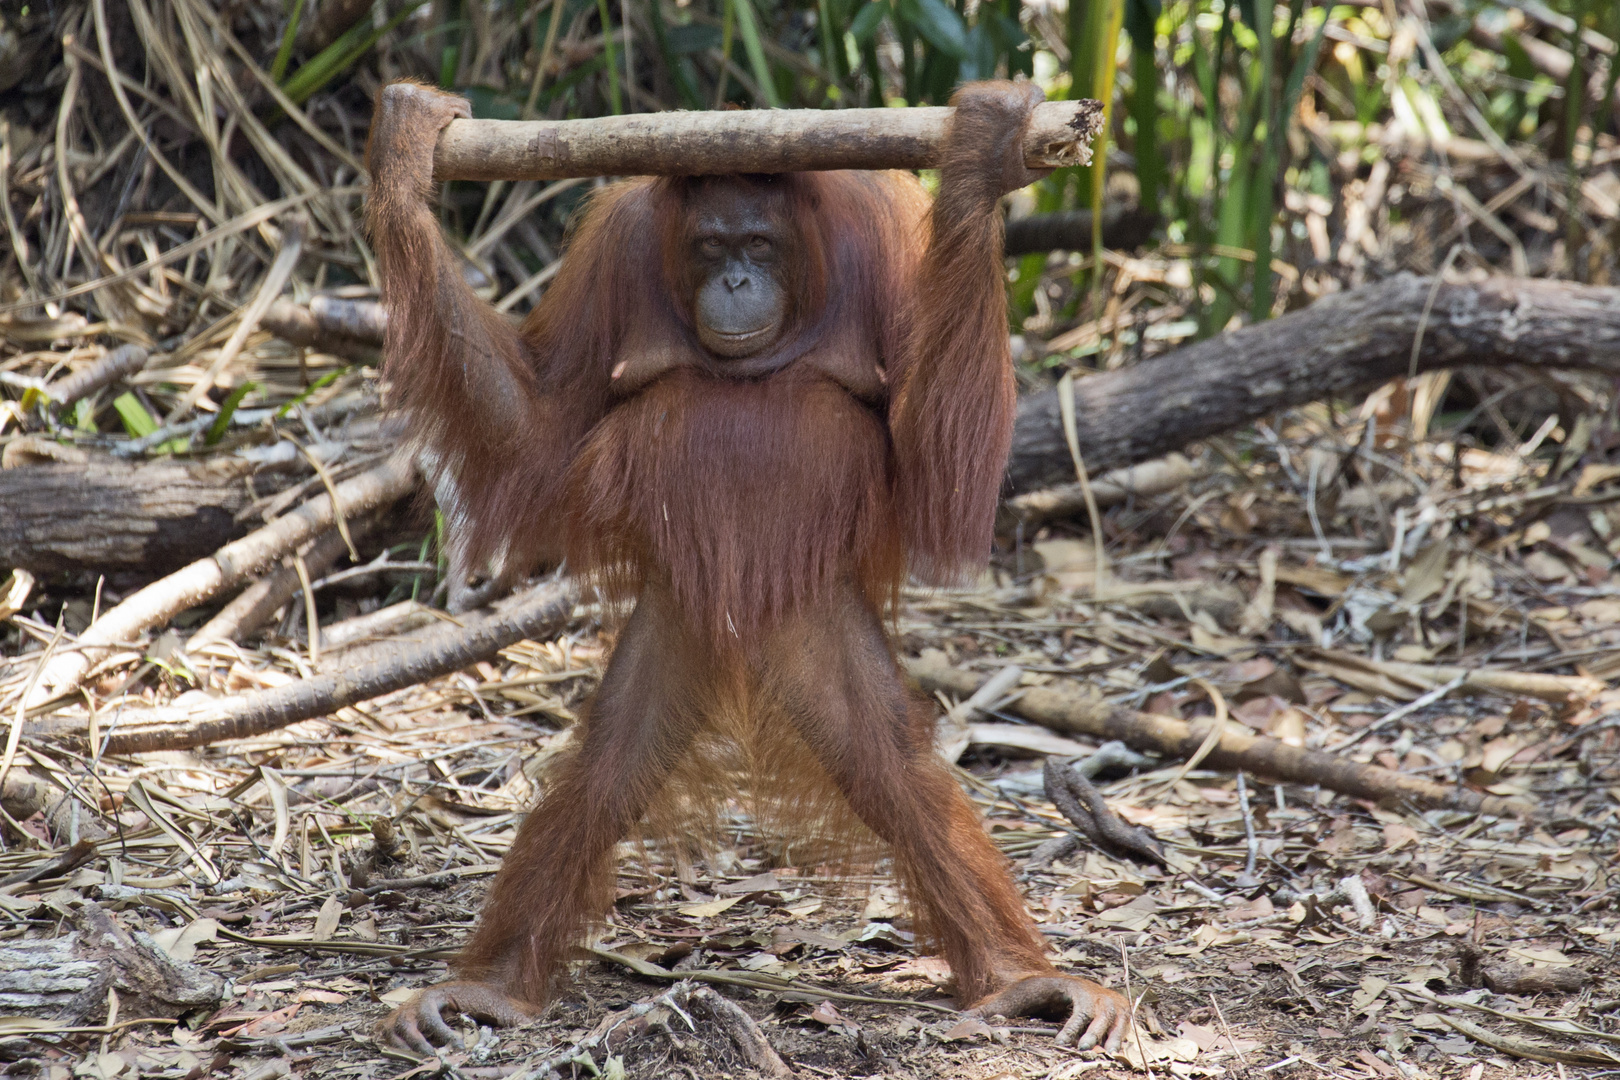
<point x="866" y="21"/>
<point x="937" y="23"/>
<point x="1141" y="19"/>
<point x="615" y="98"/>
<point x="324" y="380"/>
<point x="222" y="422"/>
<point x="692" y="38"/>
<point x="137" y="421"/>
<point x="278" y="66"/>
<point x="748" y="27"/>
<point x="337" y="57"/>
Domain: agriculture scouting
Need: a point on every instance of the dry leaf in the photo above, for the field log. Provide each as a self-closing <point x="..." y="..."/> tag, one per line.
<point x="708" y="910"/>
<point x="326" y="923"/>
<point x="967" y="1028"/>
<point x="180" y="942"/>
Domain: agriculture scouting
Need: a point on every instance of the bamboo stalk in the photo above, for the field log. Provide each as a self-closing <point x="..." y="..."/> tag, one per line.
<point x="756" y="141"/>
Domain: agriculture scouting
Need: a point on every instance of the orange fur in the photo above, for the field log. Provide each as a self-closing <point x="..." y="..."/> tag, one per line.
<point x="747" y="498"/>
<point x="761" y="512"/>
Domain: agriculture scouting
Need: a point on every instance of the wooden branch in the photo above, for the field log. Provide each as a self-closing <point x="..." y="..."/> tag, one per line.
<point x="255" y="604"/>
<point x="1124" y="228"/>
<point x="540" y="612"/>
<point x="352" y="329"/>
<point x="1083" y="710"/>
<point x="121" y="362"/>
<point x="231" y="565"/>
<point x="1342" y="343"/>
<point x="755" y="141"/>
<point x="1141" y="481"/>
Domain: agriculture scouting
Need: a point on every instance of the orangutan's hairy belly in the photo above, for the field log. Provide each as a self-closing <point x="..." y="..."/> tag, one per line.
<point x="748" y="497"/>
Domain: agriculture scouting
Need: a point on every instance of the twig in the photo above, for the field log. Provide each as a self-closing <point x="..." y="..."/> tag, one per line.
<point x="75" y="856"/>
<point x="1347" y="890"/>
<point x="795" y="988"/>
<point x="275" y="278"/>
<point x="756" y="1050"/>
<point x="1521" y="1048"/>
<point x="1136" y="1029"/>
<point x="1070" y="712"/>
<point x="346" y="328"/>
<point x="239" y="224"/>
<point x="1404" y="711"/>
<point x="1227" y="1031"/>
<point x="254" y="605"/>
<point x="1250" y="842"/>
<point x="1083" y="804"/>
<point x="122" y="361"/>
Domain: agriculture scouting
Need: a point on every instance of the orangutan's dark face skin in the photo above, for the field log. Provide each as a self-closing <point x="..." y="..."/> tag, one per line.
<point x="741" y="304"/>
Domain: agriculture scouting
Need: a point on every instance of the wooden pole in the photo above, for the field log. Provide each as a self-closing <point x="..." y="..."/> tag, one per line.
<point x="757" y="141"/>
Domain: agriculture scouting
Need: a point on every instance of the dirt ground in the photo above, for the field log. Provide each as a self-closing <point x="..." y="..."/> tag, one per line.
<point x="1245" y="964"/>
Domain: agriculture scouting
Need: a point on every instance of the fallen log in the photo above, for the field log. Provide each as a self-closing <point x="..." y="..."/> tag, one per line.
<point x="1083" y="710"/>
<point x="1124" y="228"/>
<point x="540" y="612"/>
<point x="1342" y="343"/>
<point x="752" y="141"/>
<point x="231" y="565"/>
<point x="67" y="978"/>
<point x="84" y="511"/>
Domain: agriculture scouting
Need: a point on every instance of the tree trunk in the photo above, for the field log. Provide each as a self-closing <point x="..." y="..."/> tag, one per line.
<point x="1340" y="344"/>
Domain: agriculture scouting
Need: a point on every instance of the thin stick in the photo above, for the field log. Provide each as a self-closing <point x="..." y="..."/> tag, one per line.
<point x="1404" y="711"/>
<point x="1071" y="435"/>
<point x="1070" y="712"/>
<point x="545" y="58"/>
<point x="1250" y="842"/>
<point x="292" y="246"/>
<point x="312" y="619"/>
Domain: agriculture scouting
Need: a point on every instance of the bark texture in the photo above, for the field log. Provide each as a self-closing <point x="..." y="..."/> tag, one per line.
<point x="67" y="978"/>
<point x="1340" y="344"/>
<point x="107" y="515"/>
<point x="753" y="141"/>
